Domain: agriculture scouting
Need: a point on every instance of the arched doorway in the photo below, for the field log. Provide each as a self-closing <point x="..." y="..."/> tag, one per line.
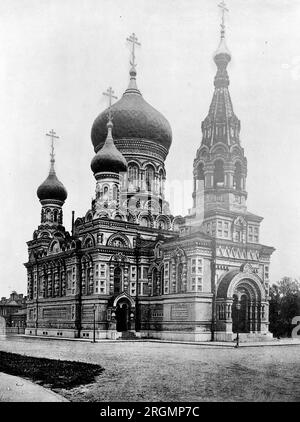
<point x="242" y="293"/>
<point x="123" y="315"/>
<point x="240" y="317"/>
<point x="117" y="280"/>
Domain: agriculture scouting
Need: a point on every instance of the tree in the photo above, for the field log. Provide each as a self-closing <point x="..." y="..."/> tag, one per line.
<point x="284" y="306"/>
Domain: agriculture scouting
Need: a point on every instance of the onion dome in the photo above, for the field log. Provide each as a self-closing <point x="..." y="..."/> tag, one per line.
<point x="109" y="158"/>
<point x="222" y="56"/>
<point x="133" y="118"/>
<point x="52" y="189"/>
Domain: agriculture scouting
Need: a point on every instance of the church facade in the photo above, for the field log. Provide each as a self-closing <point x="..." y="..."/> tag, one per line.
<point x="129" y="268"/>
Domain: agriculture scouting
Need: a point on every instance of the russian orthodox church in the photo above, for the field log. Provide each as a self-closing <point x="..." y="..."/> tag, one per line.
<point x="129" y="268"/>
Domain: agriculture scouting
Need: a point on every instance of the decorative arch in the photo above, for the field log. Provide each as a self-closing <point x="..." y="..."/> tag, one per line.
<point x="241" y="277"/>
<point x="219" y="173"/>
<point x="118" y="258"/>
<point x="78" y="222"/>
<point x="125" y="243"/>
<point x="88" y="216"/>
<point x="44" y="233"/>
<point x="88" y="241"/>
<point x="220" y="149"/>
<point x="123" y="295"/>
<point x="103" y="214"/>
<point x="204" y="151"/>
<point x="54" y="246"/>
<point x="176" y="222"/>
<point x="146" y="216"/>
<point x="163" y="222"/>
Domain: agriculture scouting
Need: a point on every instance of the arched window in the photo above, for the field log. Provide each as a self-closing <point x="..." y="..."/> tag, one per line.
<point x="55" y="247"/>
<point x="179" y="277"/>
<point x="115" y="192"/>
<point x="219" y="174"/>
<point x="200" y="171"/>
<point x="149" y="178"/>
<point x="105" y="193"/>
<point x="133" y="175"/>
<point x="117" y="280"/>
<point x="154" y="282"/>
<point x="55" y="216"/>
<point x="161" y="182"/>
<point x="162" y="225"/>
<point x="237" y="178"/>
<point x="144" y="221"/>
<point x="88" y="243"/>
<point x="162" y="281"/>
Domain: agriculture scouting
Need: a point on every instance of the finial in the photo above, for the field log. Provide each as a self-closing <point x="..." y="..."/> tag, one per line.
<point x="110" y="94"/>
<point x="53" y="136"/>
<point x="133" y="39"/>
<point x="132" y="87"/>
<point x="224" y="9"/>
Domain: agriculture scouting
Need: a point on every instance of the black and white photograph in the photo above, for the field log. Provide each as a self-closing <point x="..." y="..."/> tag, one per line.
<point x="150" y="204"/>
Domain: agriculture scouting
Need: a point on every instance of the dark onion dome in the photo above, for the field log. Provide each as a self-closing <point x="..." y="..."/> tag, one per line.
<point x="133" y="118"/>
<point x="109" y="158"/>
<point x="52" y="188"/>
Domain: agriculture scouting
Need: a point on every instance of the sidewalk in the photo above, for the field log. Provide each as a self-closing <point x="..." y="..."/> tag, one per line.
<point x="274" y="342"/>
<point x="15" y="389"/>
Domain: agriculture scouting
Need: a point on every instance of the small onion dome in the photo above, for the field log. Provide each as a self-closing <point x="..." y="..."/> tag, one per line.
<point x="133" y="118"/>
<point x="52" y="188"/>
<point x="109" y="158"/>
<point x="222" y="53"/>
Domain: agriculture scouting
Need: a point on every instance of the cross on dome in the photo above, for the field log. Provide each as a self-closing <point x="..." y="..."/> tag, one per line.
<point x="52" y="134"/>
<point x="133" y="39"/>
<point x="110" y="94"/>
<point x="224" y="9"/>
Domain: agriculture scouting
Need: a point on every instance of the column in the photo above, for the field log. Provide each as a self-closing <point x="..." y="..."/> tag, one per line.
<point x="111" y="279"/>
<point x="56" y="283"/>
<point x="91" y="278"/>
<point x="83" y="280"/>
<point x="63" y="283"/>
<point x="173" y="276"/>
<point x="125" y="279"/>
<point x="184" y="277"/>
<point x="49" y="283"/>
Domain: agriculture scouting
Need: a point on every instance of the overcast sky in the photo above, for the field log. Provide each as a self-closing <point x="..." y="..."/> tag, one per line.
<point x="58" y="56"/>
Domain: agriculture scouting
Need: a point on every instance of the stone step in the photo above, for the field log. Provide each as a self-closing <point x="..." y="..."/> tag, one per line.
<point x="128" y="335"/>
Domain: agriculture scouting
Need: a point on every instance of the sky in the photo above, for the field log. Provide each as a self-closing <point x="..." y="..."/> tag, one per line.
<point x="58" y="56"/>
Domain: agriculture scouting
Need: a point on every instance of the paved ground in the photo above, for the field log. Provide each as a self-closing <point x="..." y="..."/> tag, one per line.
<point x="15" y="389"/>
<point x="144" y="371"/>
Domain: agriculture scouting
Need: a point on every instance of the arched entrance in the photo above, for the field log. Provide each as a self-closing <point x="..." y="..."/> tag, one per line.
<point x="123" y="315"/>
<point x="241" y="305"/>
<point x="240" y="315"/>
<point x="117" y="280"/>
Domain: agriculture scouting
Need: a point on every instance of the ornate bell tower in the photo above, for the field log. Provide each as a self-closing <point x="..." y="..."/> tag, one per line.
<point x="220" y="162"/>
